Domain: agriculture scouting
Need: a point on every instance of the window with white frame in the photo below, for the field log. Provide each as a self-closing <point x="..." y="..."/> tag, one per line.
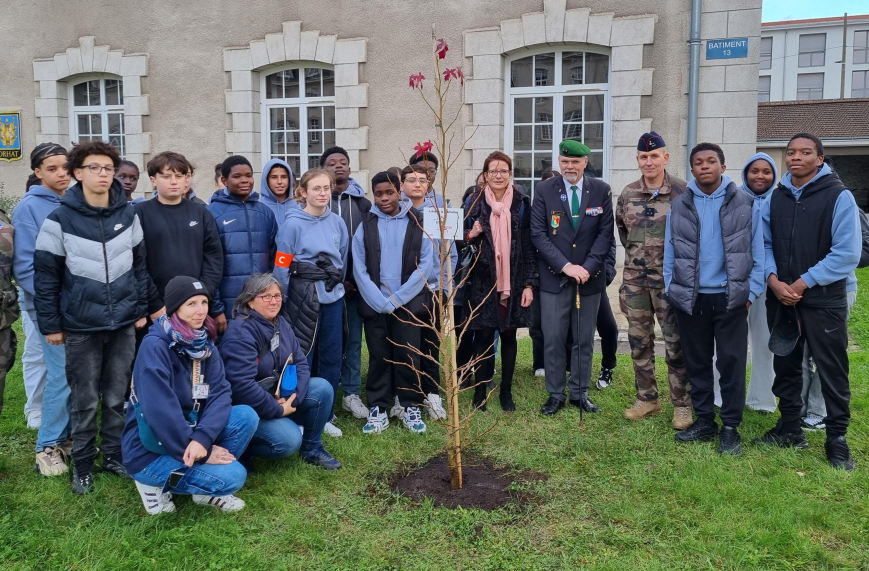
<point x="861" y="46"/>
<point x="555" y="96"/>
<point x="763" y="84"/>
<point x="97" y="112"/>
<point x="860" y="84"/>
<point x="298" y="114"/>
<point x="765" y="53"/>
<point x="810" y="86"/>
<point x="812" y="48"/>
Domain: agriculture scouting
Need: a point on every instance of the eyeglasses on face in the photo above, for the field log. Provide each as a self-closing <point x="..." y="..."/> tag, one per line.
<point x="501" y="173"/>
<point x="269" y="297"/>
<point x="97" y="169"/>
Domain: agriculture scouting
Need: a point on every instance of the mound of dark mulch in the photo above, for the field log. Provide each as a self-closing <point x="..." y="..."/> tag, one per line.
<point x="485" y="487"/>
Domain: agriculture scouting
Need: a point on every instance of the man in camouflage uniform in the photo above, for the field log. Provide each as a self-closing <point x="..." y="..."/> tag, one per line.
<point x="641" y="219"/>
<point x="8" y="303"/>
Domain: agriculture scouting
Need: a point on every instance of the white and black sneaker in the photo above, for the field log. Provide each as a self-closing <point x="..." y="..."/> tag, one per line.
<point x="412" y="420"/>
<point x="435" y="406"/>
<point x="377" y="421"/>
<point x="813" y="423"/>
<point x="604" y="379"/>
<point x="227" y="503"/>
<point x="155" y="501"/>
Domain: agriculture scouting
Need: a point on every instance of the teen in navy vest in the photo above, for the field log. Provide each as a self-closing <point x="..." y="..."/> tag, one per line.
<point x="812" y="240"/>
<point x="572" y="229"/>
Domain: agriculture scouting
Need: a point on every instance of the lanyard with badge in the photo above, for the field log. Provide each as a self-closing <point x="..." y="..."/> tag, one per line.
<point x="200" y="390"/>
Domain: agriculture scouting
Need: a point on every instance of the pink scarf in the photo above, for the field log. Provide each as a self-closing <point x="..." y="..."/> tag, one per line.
<point x="501" y="234"/>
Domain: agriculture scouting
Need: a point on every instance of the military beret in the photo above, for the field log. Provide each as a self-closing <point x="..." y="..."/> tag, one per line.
<point x="650" y="142"/>
<point x="571" y="148"/>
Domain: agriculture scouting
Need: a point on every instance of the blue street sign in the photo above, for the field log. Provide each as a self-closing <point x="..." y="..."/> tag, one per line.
<point x="727" y="48"/>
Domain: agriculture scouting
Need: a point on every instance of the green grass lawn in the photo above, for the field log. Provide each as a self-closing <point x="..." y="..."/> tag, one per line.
<point x="620" y="495"/>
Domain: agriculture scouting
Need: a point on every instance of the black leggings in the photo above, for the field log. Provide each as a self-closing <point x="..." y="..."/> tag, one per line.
<point x="484" y="346"/>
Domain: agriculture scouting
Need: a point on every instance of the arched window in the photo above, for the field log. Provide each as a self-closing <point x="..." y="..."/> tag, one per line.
<point x="556" y="95"/>
<point x="97" y="112"/>
<point x="298" y="114"/>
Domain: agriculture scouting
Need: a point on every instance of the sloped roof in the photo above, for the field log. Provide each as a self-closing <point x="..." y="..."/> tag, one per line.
<point x="827" y="118"/>
<point x="833" y="20"/>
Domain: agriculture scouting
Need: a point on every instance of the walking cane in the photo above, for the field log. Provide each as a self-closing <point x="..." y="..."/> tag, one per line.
<point x="577" y="341"/>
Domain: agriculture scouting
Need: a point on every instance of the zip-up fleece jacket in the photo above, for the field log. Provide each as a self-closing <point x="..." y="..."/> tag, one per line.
<point x="89" y="266"/>
<point x="352" y="206"/>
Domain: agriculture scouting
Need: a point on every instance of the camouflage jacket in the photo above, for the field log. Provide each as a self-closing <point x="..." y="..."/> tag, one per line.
<point x="641" y="220"/>
<point x="8" y="294"/>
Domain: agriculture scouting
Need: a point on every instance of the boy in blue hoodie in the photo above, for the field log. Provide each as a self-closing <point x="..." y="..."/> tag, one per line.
<point x="51" y="179"/>
<point x="394" y="297"/>
<point x="811" y="233"/>
<point x="713" y="271"/>
<point x="247" y="229"/>
<point x="349" y="202"/>
<point x="276" y="188"/>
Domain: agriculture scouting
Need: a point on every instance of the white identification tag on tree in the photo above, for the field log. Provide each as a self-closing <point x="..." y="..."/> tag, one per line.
<point x="450" y="218"/>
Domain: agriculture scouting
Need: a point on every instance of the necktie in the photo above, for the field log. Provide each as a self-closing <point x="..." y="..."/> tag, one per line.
<point x="574" y="206"/>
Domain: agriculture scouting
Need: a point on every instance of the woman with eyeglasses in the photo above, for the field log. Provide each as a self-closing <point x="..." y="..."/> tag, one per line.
<point x="309" y="266"/>
<point x="268" y="371"/>
<point x="504" y="275"/>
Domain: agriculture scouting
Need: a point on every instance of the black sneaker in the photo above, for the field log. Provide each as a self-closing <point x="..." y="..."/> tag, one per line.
<point x="700" y="431"/>
<point x="113" y="465"/>
<point x="839" y="454"/>
<point x="83" y="478"/>
<point x="731" y="442"/>
<point x="775" y="437"/>
<point x="319" y="457"/>
<point x="604" y="379"/>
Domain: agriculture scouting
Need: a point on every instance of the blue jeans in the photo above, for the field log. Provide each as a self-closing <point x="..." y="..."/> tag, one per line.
<point x="351" y="369"/>
<point x="325" y="356"/>
<point x="281" y="437"/>
<point x="208" y="479"/>
<point x="56" y="423"/>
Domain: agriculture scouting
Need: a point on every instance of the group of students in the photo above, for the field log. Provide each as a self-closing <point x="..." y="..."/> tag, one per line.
<point x="213" y="334"/>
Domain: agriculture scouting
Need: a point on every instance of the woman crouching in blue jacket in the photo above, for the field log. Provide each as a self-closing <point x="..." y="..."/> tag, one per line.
<point x="257" y="348"/>
<point x="182" y="433"/>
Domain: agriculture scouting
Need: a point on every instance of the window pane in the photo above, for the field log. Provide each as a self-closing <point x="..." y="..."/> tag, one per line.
<point x="291" y="83"/>
<point x="810" y="80"/>
<point x="572" y="107"/>
<point x="805" y="60"/>
<point x="596" y="68"/>
<point x="522" y="165"/>
<point x="522" y="138"/>
<point x="278" y="144"/>
<point x="291" y="121"/>
<point x="594" y="107"/>
<point x="96" y="124"/>
<point x="571" y="68"/>
<point x="812" y="42"/>
<point x="763" y="85"/>
<point x="328" y="117"/>
<point x="312" y="82"/>
<point x="595" y="164"/>
<point x="858" y="80"/>
<point x="520" y="72"/>
<point x="276" y="118"/>
<point x="80" y="95"/>
<point x="296" y="165"/>
<point x="542" y="137"/>
<point x="543" y="110"/>
<point x="544" y="70"/>
<point x="593" y="136"/>
<point x="542" y="162"/>
<point x="765" y="53"/>
<point x="328" y="85"/>
<point x="94" y="92"/>
<point x="113" y="92"/>
<point x="861" y="38"/>
<point x="329" y="139"/>
<point x="522" y="109"/>
<point x="83" y="125"/>
<point x="116" y="124"/>
<point x="572" y="131"/>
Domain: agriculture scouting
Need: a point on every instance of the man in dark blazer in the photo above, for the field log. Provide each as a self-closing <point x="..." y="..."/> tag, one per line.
<point x="572" y="229"/>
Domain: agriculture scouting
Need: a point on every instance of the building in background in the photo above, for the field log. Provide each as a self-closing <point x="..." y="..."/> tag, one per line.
<point x="801" y="88"/>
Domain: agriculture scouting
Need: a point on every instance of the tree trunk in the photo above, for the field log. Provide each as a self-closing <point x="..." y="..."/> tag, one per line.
<point x="454" y="442"/>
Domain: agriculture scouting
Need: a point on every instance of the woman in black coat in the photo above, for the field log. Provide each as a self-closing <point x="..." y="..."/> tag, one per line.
<point x="501" y="280"/>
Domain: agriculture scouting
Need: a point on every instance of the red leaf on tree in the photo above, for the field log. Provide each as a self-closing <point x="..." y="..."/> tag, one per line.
<point x="416" y="80"/>
<point x="421" y="148"/>
<point x="460" y="75"/>
<point x="441" y="48"/>
<point x="450" y="73"/>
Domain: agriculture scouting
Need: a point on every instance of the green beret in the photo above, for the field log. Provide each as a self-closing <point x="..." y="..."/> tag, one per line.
<point x="570" y="148"/>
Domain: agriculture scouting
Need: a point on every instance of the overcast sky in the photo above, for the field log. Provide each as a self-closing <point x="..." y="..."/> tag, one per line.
<point x="775" y="10"/>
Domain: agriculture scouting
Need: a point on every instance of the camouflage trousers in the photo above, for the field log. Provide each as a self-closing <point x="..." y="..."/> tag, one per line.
<point x="641" y="305"/>
<point x="8" y="348"/>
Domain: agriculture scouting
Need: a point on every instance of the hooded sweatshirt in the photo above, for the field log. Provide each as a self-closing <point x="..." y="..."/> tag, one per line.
<point x="712" y="274"/>
<point x="845" y="252"/>
<point x="27" y="218"/>
<point x="305" y="237"/>
<point x="759" y="198"/>
<point x="390" y="293"/>
<point x="283" y="207"/>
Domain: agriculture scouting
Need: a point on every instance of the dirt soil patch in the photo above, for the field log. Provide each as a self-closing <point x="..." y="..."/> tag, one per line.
<point x="485" y="486"/>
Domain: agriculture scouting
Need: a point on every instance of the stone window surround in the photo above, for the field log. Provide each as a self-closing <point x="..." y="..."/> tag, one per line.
<point x="295" y="46"/>
<point x="88" y="61"/>
<point x="485" y="90"/>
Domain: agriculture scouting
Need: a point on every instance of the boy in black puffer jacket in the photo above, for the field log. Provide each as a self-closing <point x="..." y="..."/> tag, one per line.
<point x="91" y="288"/>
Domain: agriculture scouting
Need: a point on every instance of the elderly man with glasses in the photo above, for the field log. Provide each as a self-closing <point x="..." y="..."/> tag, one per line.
<point x="572" y="229"/>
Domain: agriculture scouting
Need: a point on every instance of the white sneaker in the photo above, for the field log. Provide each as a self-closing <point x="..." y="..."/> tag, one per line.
<point x="332" y="430"/>
<point x="50" y="462"/>
<point x="377" y="422"/>
<point x="435" y="406"/>
<point x="34" y="419"/>
<point x="155" y="501"/>
<point x="540" y="373"/>
<point x="813" y="423"/>
<point x="412" y="419"/>
<point x="353" y="404"/>
<point x="397" y="411"/>
<point x="226" y="503"/>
